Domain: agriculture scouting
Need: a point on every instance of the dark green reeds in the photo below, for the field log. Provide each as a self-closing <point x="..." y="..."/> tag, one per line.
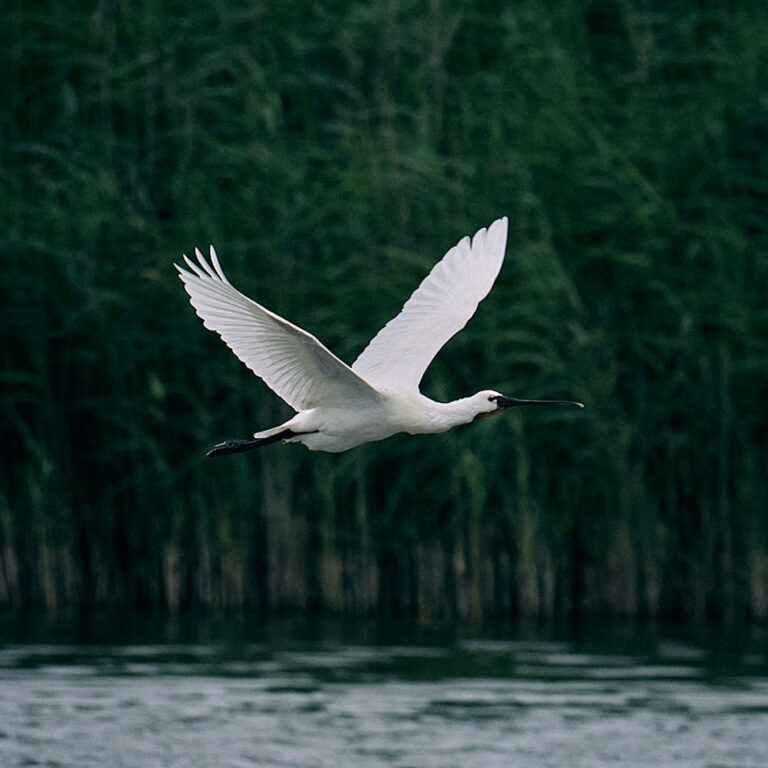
<point x="333" y="151"/>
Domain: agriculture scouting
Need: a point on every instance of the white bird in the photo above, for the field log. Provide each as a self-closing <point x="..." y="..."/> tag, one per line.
<point x="339" y="407"/>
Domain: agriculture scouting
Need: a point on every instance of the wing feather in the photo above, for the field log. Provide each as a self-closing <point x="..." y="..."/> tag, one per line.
<point x="292" y="362"/>
<point x="440" y="307"/>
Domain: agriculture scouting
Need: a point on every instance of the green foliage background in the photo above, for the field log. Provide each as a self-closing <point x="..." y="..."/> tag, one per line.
<point x="333" y="151"/>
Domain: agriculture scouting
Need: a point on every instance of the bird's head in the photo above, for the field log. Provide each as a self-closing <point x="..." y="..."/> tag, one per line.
<point x="486" y="403"/>
<point x="489" y="402"/>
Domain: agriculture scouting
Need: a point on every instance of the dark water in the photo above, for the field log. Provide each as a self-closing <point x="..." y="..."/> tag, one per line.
<point x="123" y="692"/>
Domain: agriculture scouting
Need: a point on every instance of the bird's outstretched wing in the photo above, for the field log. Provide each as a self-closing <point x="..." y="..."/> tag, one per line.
<point x="292" y="362"/>
<point x="439" y="308"/>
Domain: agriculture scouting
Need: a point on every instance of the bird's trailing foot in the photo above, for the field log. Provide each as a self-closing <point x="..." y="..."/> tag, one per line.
<point x="238" y="446"/>
<point x="232" y="446"/>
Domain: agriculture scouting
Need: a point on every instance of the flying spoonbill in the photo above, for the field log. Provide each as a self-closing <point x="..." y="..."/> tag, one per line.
<point x="338" y="406"/>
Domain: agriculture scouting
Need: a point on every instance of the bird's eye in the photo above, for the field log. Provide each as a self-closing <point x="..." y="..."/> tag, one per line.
<point x="491" y="398"/>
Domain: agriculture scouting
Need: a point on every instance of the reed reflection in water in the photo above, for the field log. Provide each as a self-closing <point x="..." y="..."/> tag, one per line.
<point x="471" y="702"/>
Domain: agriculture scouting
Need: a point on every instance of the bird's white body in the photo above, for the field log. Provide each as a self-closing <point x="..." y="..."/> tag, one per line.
<point x="339" y="407"/>
<point x="335" y="429"/>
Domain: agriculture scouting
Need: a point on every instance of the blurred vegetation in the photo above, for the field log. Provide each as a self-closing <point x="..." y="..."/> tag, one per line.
<point x="333" y="151"/>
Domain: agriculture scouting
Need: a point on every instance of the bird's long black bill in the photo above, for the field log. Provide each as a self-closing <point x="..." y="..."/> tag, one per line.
<point x="513" y="402"/>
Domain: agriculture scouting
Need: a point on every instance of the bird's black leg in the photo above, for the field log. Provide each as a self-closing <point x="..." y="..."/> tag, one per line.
<point x="238" y="446"/>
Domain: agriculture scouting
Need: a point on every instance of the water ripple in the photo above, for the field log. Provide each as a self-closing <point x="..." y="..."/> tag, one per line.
<point x="486" y="703"/>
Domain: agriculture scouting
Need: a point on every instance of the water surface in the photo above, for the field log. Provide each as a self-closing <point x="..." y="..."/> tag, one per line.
<point x="310" y="694"/>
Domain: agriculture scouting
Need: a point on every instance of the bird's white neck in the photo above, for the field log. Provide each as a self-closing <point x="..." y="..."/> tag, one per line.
<point x="445" y="416"/>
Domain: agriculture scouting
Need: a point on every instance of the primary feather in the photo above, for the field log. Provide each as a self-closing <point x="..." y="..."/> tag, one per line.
<point x="440" y="307"/>
<point x="292" y="362"/>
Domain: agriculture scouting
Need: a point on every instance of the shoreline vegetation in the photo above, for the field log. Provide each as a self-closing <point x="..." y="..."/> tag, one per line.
<point x="333" y="152"/>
